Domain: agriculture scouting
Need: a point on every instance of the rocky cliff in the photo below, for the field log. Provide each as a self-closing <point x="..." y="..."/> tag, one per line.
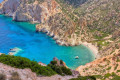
<point x="70" y="24"/>
<point x="23" y="74"/>
<point x="51" y="18"/>
<point x="106" y="65"/>
<point x="11" y="73"/>
<point x="29" y="10"/>
<point x="92" y="21"/>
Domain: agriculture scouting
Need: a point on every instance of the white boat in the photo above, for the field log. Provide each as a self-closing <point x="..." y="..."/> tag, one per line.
<point x="76" y="57"/>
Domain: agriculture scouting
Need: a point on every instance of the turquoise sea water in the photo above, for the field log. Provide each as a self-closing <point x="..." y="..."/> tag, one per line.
<point x="38" y="46"/>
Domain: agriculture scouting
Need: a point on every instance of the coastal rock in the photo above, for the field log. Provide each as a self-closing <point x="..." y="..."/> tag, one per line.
<point x="102" y="66"/>
<point x="56" y="59"/>
<point x="50" y="16"/>
<point x="42" y="64"/>
<point x="23" y="10"/>
<point x="2" y="53"/>
<point x="59" y="30"/>
<point x="8" y="7"/>
<point x="59" y="62"/>
<point x="25" y="74"/>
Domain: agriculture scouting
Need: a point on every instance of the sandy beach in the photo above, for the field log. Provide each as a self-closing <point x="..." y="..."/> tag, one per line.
<point x="93" y="48"/>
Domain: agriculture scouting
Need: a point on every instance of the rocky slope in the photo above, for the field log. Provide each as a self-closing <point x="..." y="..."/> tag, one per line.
<point x="92" y="21"/>
<point x="71" y="22"/>
<point x="24" y="74"/>
<point x="29" y="10"/>
<point x="50" y="16"/>
<point x="11" y="73"/>
<point x="106" y="65"/>
<point x="100" y="19"/>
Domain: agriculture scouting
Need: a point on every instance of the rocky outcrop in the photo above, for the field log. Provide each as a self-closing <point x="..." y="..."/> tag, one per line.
<point x="27" y="74"/>
<point x="52" y="19"/>
<point x="59" y="62"/>
<point x="63" y="30"/>
<point x="42" y="64"/>
<point x="36" y="12"/>
<point x="24" y="10"/>
<point x="102" y="66"/>
<point x="8" y="7"/>
<point x="24" y="74"/>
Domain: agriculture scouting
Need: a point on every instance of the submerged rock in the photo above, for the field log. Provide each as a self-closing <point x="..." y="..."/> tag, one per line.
<point x="14" y="51"/>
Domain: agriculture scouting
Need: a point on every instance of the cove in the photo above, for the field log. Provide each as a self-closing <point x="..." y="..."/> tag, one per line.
<point x="39" y="46"/>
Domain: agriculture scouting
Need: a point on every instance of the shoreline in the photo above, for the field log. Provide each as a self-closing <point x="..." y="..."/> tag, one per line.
<point x="93" y="48"/>
<point x="90" y="46"/>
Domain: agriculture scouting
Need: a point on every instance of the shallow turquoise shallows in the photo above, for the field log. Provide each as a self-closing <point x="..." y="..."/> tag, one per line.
<point x="38" y="46"/>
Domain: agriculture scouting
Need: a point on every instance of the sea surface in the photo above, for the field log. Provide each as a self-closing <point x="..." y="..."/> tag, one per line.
<point x="38" y="46"/>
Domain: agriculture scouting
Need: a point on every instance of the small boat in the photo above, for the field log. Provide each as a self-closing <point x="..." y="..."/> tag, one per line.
<point x="76" y="57"/>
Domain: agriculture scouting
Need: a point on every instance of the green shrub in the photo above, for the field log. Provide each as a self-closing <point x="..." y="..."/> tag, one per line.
<point x="60" y="69"/>
<point x="109" y="68"/>
<point x="66" y="71"/>
<point x="61" y="62"/>
<point x="118" y="70"/>
<point x="115" y="77"/>
<point x="20" y="62"/>
<point x="84" y="78"/>
<point x="107" y="75"/>
<point x="116" y="67"/>
<point x="53" y="62"/>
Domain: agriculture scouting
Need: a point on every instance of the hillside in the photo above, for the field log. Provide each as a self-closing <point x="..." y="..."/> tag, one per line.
<point x="100" y="18"/>
<point x="20" y="68"/>
<point x="72" y="22"/>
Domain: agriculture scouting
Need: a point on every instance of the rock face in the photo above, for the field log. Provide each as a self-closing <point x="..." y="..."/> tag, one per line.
<point x="42" y="64"/>
<point x="27" y="74"/>
<point x="24" y="74"/>
<point x="8" y="7"/>
<point x="34" y="11"/>
<point x="102" y="66"/>
<point x="63" y="30"/>
<point x="50" y="16"/>
<point x="59" y="62"/>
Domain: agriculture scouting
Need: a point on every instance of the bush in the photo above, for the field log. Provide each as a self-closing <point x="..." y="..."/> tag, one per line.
<point x="66" y="71"/>
<point x="60" y="69"/>
<point x="20" y="62"/>
<point x="53" y="62"/>
<point x="2" y="77"/>
<point x="61" y="62"/>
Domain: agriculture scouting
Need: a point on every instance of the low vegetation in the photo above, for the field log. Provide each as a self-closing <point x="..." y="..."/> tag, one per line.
<point x="22" y="63"/>
<point x="84" y="78"/>
<point x="107" y="76"/>
<point x="60" y="69"/>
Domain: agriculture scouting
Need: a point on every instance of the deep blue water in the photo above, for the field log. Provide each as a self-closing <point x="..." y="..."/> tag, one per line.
<point x="38" y="46"/>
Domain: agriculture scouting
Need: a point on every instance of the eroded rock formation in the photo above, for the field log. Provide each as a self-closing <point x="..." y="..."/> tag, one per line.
<point x="50" y="17"/>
